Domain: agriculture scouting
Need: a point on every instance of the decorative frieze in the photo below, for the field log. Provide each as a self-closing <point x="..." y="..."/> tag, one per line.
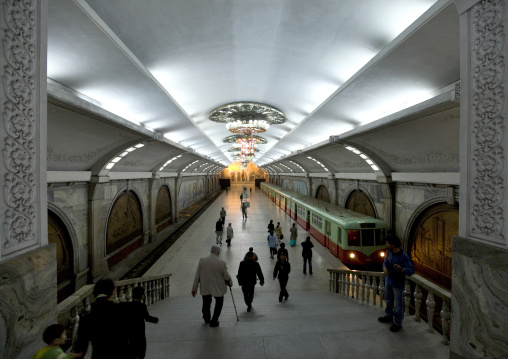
<point x="487" y="121"/>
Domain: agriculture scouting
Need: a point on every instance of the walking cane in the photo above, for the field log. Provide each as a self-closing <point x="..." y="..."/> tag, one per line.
<point x="234" y="305"/>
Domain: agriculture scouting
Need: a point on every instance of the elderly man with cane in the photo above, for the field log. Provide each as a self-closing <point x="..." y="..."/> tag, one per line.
<point x="213" y="278"/>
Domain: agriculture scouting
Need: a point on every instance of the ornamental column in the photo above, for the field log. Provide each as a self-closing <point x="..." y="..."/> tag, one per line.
<point x="480" y="255"/>
<point x="27" y="263"/>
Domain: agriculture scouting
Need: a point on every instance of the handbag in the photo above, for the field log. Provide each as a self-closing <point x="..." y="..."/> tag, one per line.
<point x="281" y="237"/>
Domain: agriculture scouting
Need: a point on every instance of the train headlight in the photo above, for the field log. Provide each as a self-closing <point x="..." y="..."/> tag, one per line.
<point x="352" y="255"/>
<point x="382" y="254"/>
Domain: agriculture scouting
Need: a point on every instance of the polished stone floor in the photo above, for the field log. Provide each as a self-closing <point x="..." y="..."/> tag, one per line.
<point x="313" y="323"/>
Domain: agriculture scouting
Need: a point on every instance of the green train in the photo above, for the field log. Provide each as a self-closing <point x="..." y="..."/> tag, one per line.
<point x="356" y="239"/>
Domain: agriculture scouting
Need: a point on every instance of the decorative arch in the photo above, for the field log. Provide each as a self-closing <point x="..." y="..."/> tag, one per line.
<point x="322" y="193"/>
<point x="61" y="233"/>
<point x="430" y="240"/>
<point x="124" y="230"/>
<point x="359" y="201"/>
<point x="163" y="208"/>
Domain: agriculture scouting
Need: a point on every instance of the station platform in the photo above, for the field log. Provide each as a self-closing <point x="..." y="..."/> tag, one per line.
<point x="312" y="323"/>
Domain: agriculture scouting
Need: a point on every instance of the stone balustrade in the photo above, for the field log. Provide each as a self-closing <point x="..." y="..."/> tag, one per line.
<point x="368" y="289"/>
<point x="80" y="302"/>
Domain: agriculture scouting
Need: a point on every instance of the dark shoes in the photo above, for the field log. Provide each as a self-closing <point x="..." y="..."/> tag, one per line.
<point x="385" y="319"/>
<point x="287" y="297"/>
<point x="207" y="321"/>
<point x="395" y="328"/>
<point x="304" y="272"/>
<point x="214" y="324"/>
<point x="249" y="308"/>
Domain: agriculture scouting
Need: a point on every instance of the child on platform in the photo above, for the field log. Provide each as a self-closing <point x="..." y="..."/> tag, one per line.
<point x="54" y="336"/>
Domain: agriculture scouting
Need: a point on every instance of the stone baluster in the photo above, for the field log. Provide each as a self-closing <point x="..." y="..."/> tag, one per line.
<point x="87" y="307"/>
<point x="349" y="288"/>
<point x="152" y="293"/>
<point x="74" y="324"/>
<point x="381" y="290"/>
<point x="418" y="301"/>
<point x="407" y="297"/>
<point x="148" y="291"/>
<point x="445" y="321"/>
<point x="168" y="286"/>
<point x="128" y="293"/>
<point x="357" y="285"/>
<point x="159" y="290"/>
<point x="363" y="278"/>
<point x="121" y="294"/>
<point x="331" y="281"/>
<point x="431" y="304"/>
<point x="368" y="287"/>
<point x="342" y="284"/>
<point x="336" y="282"/>
<point x="373" y="285"/>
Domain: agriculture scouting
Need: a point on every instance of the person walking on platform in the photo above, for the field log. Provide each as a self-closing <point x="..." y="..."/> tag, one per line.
<point x="396" y="267"/>
<point x="293" y="234"/>
<point x="244" y="209"/>
<point x="307" y="255"/>
<point x="281" y="270"/>
<point x="278" y="233"/>
<point x="254" y="255"/>
<point x="219" y="230"/>
<point x="229" y="234"/>
<point x="272" y="243"/>
<point x="223" y="216"/>
<point x="282" y="250"/>
<point x="271" y="227"/>
<point x="213" y="278"/>
<point x="248" y="273"/>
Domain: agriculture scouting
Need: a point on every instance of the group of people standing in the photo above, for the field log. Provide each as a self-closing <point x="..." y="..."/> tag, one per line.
<point x="219" y="229"/>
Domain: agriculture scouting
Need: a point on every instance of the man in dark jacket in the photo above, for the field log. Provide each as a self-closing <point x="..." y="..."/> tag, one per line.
<point x="106" y="326"/>
<point x="307" y="255"/>
<point x="395" y="268"/>
<point x="219" y="229"/>
<point x="248" y="273"/>
<point x="282" y="270"/>
<point x="138" y="314"/>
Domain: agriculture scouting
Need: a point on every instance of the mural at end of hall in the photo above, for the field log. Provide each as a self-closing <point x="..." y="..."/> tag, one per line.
<point x="236" y="173"/>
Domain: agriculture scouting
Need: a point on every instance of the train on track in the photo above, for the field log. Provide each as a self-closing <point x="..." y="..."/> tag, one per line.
<point x="356" y="239"/>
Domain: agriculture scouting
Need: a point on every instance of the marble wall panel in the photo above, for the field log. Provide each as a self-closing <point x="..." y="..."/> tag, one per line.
<point x="27" y="301"/>
<point x="479" y="300"/>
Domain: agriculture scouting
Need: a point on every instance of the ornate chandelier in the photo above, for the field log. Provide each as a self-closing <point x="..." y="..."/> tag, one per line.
<point x="245" y="119"/>
<point x="248" y="127"/>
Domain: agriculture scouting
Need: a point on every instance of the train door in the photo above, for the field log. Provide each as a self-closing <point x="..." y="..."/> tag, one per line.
<point x="294" y="211"/>
<point x="340" y="238"/>
<point x="307" y="220"/>
<point x="328" y="230"/>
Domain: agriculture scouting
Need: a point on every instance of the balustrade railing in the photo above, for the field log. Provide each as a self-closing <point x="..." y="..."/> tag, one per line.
<point x="80" y="302"/>
<point x="368" y="289"/>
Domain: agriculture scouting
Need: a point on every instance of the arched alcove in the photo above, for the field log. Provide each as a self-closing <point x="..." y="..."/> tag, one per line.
<point x="359" y="202"/>
<point x="430" y="242"/>
<point x="323" y="194"/>
<point x="58" y="234"/>
<point x="163" y="209"/>
<point x="125" y="226"/>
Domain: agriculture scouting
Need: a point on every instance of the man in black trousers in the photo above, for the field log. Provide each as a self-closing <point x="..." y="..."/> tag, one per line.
<point x="248" y="273"/>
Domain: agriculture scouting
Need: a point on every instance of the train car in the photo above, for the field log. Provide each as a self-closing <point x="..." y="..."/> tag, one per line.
<point x="356" y="239"/>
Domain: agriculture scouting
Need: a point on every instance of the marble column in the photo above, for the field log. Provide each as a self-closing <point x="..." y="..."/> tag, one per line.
<point x="27" y="262"/>
<point x="480" y="255"/>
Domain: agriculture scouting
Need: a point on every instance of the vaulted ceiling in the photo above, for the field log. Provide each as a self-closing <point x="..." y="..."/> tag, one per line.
<point x="156" y="68"/>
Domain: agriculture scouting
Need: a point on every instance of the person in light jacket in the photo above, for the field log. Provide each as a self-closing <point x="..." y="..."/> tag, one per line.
<point x="213" y="278"/>
<point x="229" y="234"/>
<point x="278" y="232"/>
<point x="272" y="243"/>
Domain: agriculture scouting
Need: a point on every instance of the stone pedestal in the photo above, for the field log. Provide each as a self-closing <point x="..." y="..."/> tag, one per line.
<point x="27" y="301"/>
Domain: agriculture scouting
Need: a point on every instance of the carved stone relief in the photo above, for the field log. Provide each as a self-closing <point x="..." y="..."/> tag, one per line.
<point x="20" y="108"/>
<point x="125" y="222"/>
<point x="487" y="120"/>
<point x="360" y="202"/>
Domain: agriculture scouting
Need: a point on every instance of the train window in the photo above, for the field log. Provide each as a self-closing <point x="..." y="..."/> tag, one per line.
<point x="328" y="228"/>
<point x="317" y="221"/>
<point x="353" y="238"/>
<point x="367" y="237"/>
<point x="380" y="237"/>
